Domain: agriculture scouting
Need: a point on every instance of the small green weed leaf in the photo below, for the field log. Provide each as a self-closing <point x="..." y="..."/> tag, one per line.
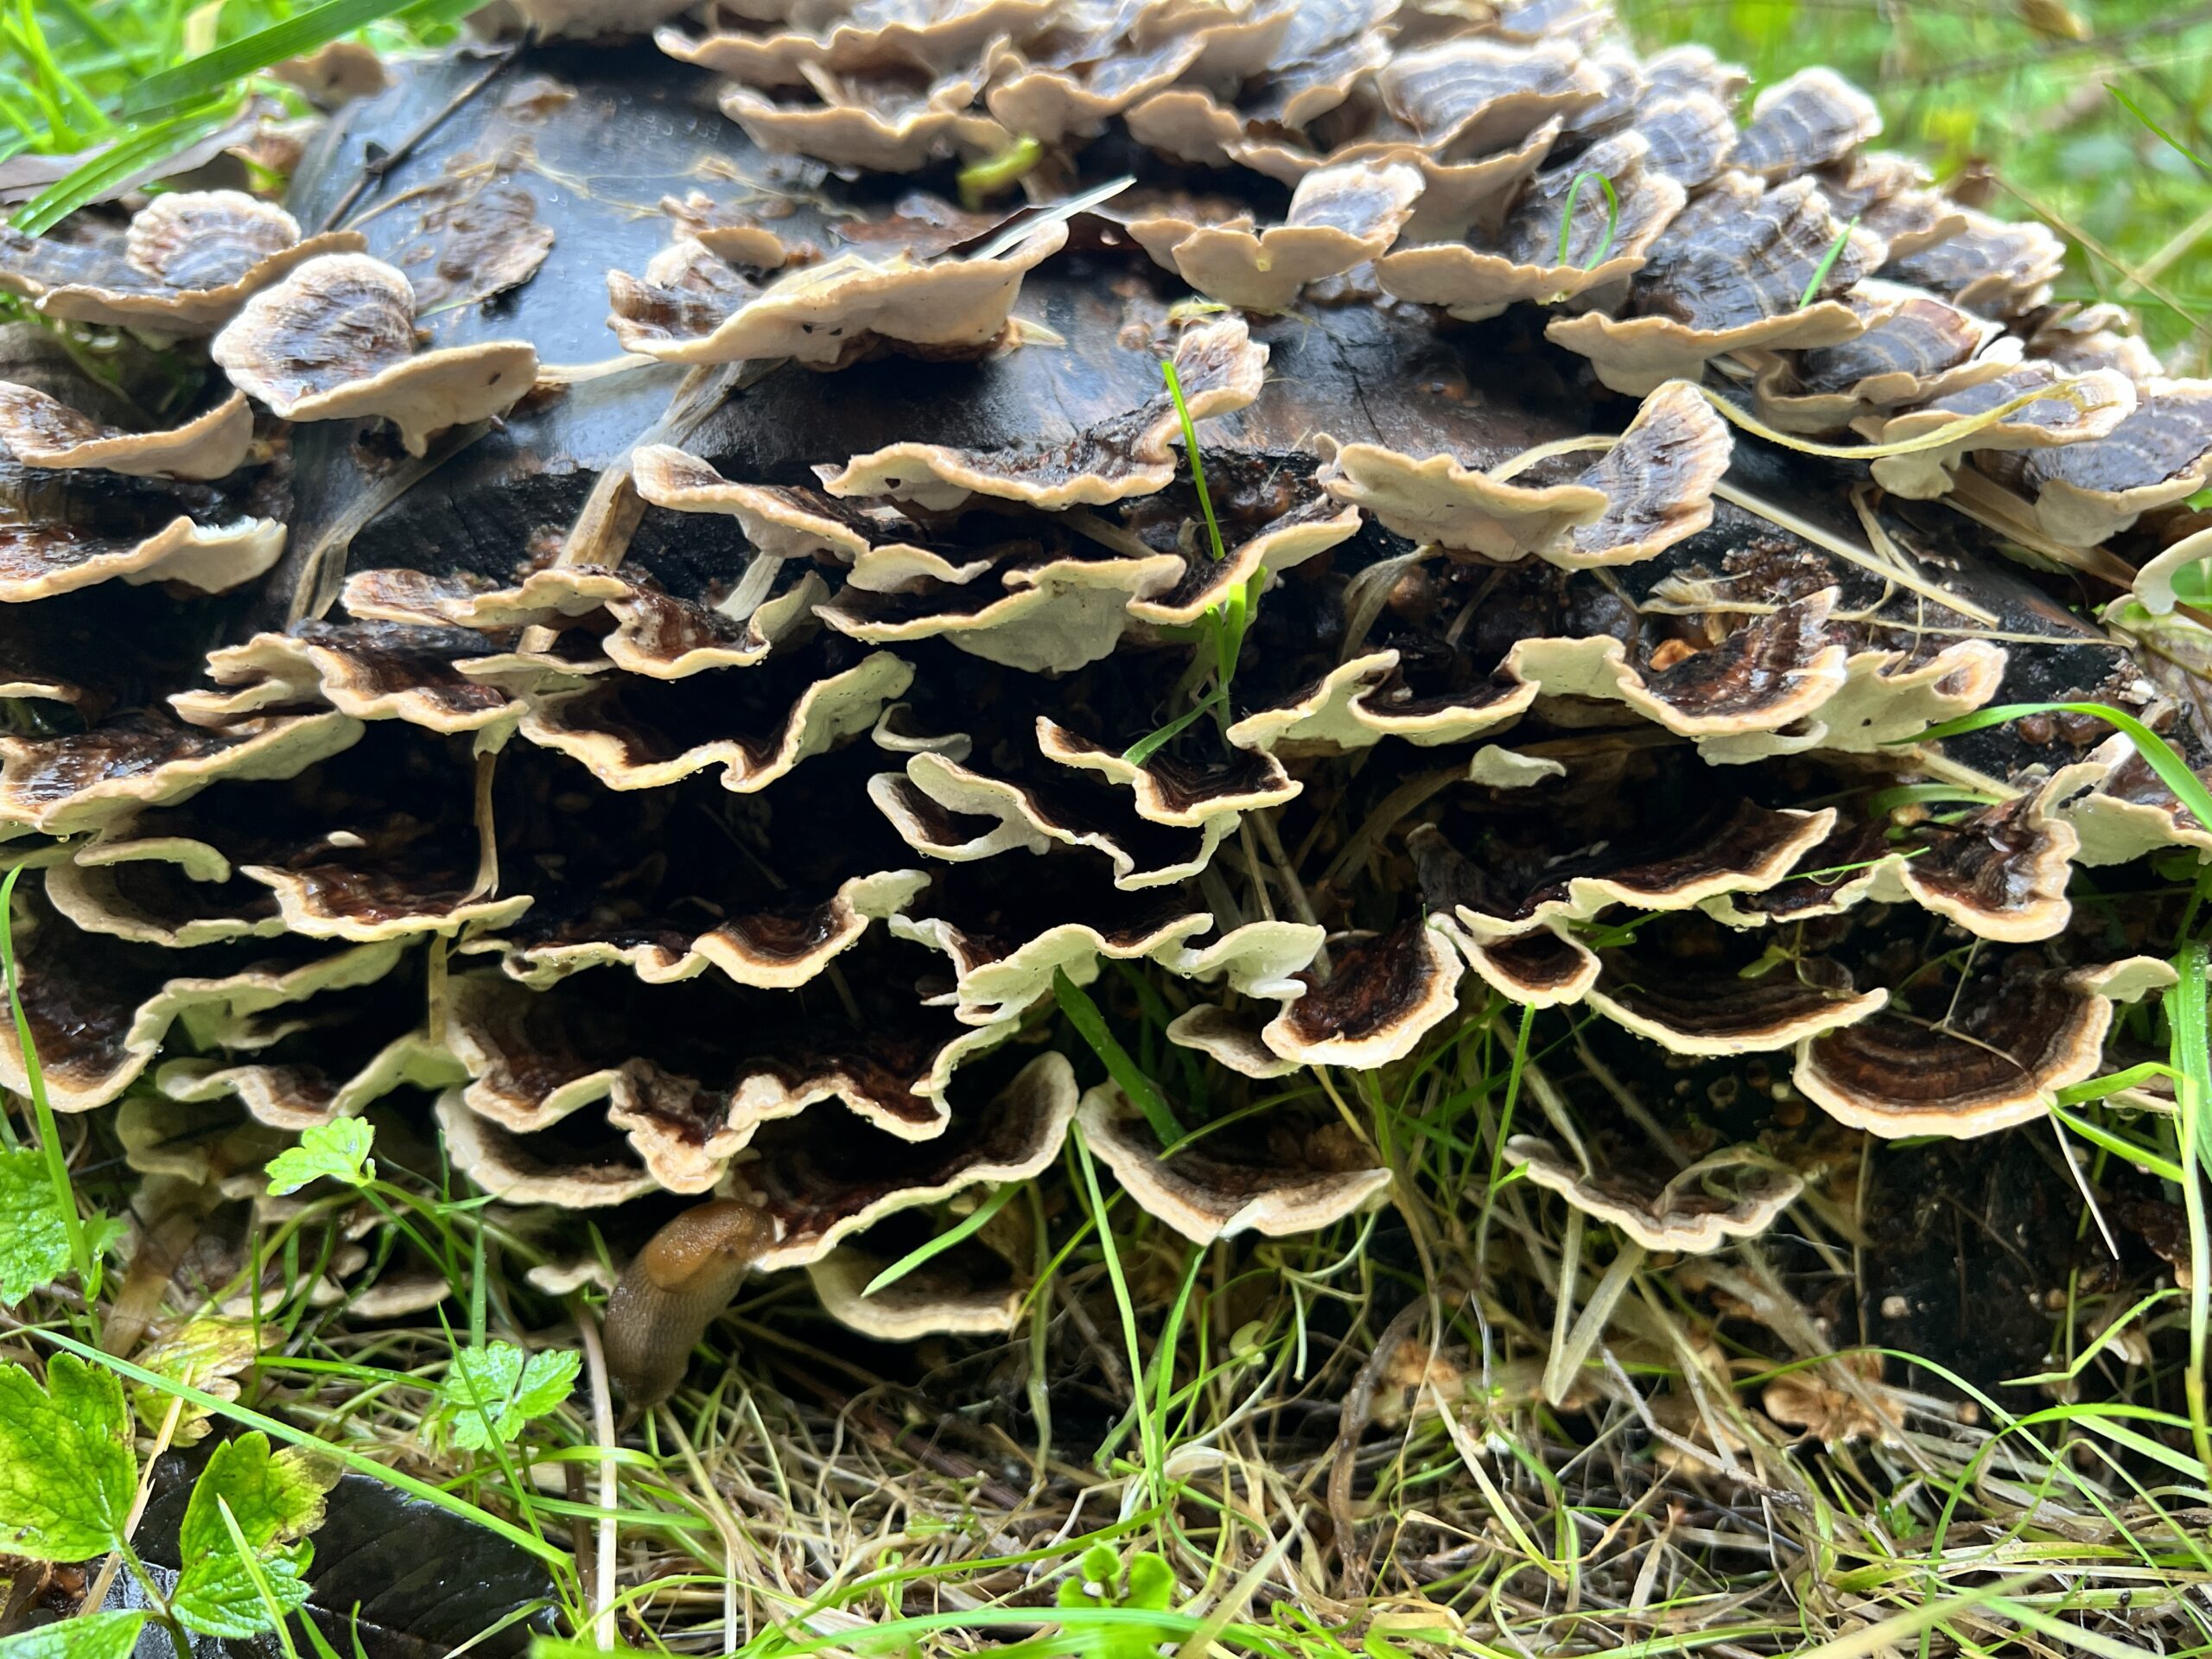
<point x="67" y="1472"/>
<point x="90" y="1636"/>
<point x="217" y="1594"/>
<point x="276" y="1498"/>
<point x="995" y="175"/>
<point x="1092" y="1583"/>
<point x="338" y="1151"/>
<point x="1147" y="1585"/>
<point x="1090" y="1025"/>
<point x="2157" y="754"/>
<point x="34" y="1233"/>
<point x="494" y="1391"/>
<point x="1151" y="1583"/>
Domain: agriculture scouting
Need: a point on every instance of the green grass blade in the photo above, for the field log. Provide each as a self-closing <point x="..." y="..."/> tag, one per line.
<point x="1828" y="264"/>
<point x="967" y="1227"/>
<point x="216" y="72"/>
<point x="2158" y="131"/>
<point x="148" y="147"/>
<point x="2157" y="753"/>
<point x="1198" y="465"/>
<point x="1090" y="1025"/>
<point x="1153" y="741"/>
<point x="49" y="1132"/>
<point x="1567" y="217"/>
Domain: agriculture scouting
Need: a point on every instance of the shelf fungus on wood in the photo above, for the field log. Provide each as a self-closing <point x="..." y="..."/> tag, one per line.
<point x="335" y="339"/>
<point x="184" y="266"/>
<point x="786" y="642"/>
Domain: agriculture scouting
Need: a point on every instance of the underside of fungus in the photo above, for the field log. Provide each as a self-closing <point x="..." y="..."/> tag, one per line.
<point x="677" y="697"/>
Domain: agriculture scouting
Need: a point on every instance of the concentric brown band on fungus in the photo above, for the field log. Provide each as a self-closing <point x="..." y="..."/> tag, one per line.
<point x="670" y="697"/>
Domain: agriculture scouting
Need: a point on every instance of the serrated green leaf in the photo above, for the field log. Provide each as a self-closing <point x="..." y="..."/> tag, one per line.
<point x="338" y="1151"/>
<point x="276" y="1496"/>
<point x="90" y="1635"/>
<point x="492" y="1392"/>
<point x="34" y="1232"/>
<point x="276" y="1499"/>
<point x="67" y="1472"/>
<point x="217" y="1596"/>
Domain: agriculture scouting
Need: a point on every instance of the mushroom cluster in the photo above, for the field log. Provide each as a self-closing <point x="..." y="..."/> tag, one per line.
<point x="695" y="753"/>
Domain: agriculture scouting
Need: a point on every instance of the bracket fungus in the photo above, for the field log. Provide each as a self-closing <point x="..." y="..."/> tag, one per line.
<point x="335" y="339"/>
<point x="701" y="778"/>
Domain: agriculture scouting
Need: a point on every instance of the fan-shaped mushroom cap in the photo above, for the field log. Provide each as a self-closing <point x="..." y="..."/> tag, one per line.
<point x="936" y="38"/>
<point x="884" y="122"/>
<point x="38" y="560"/>
<point x="936" y="1299"/>
<point x="1699" y="1013"/>
<point x="1340" y="217"/>
<point x="1205" y="1191"/>
<point x="1467" y="96"/>
<point x="99" y="1008"/>
<point x="1564" y="237"/>
<point x="1657" y="482"/>
<point x="1992" y="267"/>
<point x="507" y="1165"/>
<point x="2000" y="872"/>
<point x="2129" y="813"/>
<point x="2095" y="487"/>
<point x="1361" y="702"/>
<point x="41" y="430"/>
<point x="461" y="601"/>
<point x="371" y="670"/>
<point x="2072" y="409"/>
<point x="1230" y="1040"/>
<point x="1544" y="968"/>
<point x="2012" y="1037"/>
<point x="1732" y="1194"/>
<point x="1441" y="499"/>
<point x="1731" y="273"/>
<point x="829" y="313"/>
<point x="1691" y="137"/>
<point x="1220" y="368"/>
<point x="1382" y="996"/>
<point x="1041" y="611"/>
<point x="80" y="781"/>
<point x="2095" y="337"/>
<point x="335" y="340"/>
<point x="1166" y="790"/>
<point x="1739" y="846"/>
<point x="298" y="1094"/>
<point x="1922" y="349"/>
<point x="186" y="265"/>
<point x="1053" y="92"/>
<point x="822" y="1185"/>
<point x="936" y="793"/>
<point x="1812" y="118"/>
<point x="633" y="734"/>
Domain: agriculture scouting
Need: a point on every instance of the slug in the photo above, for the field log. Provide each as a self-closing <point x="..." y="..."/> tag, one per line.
<point x="672" y="1290"/>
